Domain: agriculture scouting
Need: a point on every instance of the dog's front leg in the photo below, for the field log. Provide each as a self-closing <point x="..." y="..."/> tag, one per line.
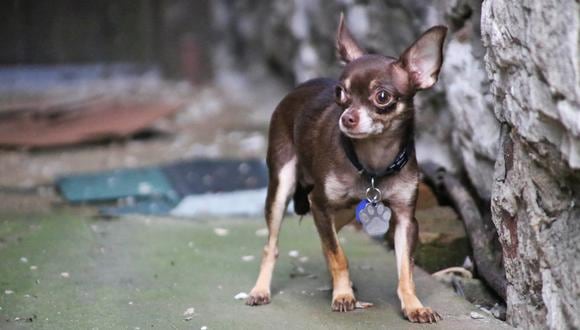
<point x="343" y="299"/>
<point x="406" y="235"/>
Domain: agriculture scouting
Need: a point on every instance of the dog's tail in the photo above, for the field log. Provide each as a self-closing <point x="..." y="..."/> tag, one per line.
<point x="301" y="203"/>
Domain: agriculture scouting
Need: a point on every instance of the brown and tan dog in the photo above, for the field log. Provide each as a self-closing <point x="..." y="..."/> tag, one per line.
<point x="368" y="113"/>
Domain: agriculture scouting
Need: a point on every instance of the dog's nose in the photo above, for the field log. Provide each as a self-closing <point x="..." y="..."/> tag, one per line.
<point x="349" y="119"/>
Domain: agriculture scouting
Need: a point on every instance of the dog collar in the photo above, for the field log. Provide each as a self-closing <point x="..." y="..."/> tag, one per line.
<point x="397" y="164"/>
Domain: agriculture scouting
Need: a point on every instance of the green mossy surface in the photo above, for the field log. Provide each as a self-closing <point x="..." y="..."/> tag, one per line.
<point x="144" y="273"/>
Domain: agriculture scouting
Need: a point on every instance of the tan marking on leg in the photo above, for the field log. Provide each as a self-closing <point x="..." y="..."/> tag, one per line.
<point x="260" y="294"/>
<point x="343" y="299"/>
<point x="411" y="306"/>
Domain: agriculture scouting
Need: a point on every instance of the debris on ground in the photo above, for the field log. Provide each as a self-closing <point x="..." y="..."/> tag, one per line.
<point x="188" y="314"/>
<point x="262" y="232"/>
<point x="476" y="316"/>
<point x="241" y="296"/>
<point x="499" y="311"/>
<point x="65" y="275"/>
<point x="248" y="258"/>
<point x="462" y="282"/>
<point x="453" y="270"/>
<point x="442" y="239"/>
<point x="294" y="253"/>
<point x="363" y="305"/>
<point x="221" y="231"/>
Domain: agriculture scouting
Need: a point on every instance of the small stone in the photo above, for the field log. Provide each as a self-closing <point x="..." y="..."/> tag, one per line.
<point x="188" y="314"/>
<point x="203" y="328"/>
<point x="476" y="315"/>
<point x="499" y="312"/>
<point x="130" y="303"/>
<point x="64" y="275"/>
<point x="24" y="260"/>
<point x="248" y="258"/>
<point x="241" y="296"/>
<point x="294" y="253"/>
<point x="33" y="267"/>
<point x="8" y="292"/>
<point x="221" y="231"/>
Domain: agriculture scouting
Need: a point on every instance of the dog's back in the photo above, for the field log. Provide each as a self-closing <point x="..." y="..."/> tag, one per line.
<point x="297" y="117"/>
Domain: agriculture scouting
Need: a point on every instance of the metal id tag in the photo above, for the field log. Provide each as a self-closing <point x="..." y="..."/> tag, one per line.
<point x="372" y="213"/>
<point x="375" y="218"/>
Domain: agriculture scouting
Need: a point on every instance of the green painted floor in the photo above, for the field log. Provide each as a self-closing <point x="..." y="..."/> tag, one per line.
<point x="71" y="271"/>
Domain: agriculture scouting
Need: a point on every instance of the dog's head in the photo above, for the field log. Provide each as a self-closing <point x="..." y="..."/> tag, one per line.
<point x="375" y="91"/>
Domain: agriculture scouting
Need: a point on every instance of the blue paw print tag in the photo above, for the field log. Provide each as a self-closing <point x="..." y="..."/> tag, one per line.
<point x="373" y="214"/>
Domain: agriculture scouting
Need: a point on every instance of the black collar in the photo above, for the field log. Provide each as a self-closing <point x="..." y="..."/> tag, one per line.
<point x="395" y="166"/>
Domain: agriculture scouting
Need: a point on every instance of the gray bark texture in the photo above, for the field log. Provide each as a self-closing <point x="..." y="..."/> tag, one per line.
<point x="532" y="61"/>
<point x="505" y="116"/>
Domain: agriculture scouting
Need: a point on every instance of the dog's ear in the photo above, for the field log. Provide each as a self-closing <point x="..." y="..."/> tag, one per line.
<point x="424" y="57"/>
<point x="346" y="47"/>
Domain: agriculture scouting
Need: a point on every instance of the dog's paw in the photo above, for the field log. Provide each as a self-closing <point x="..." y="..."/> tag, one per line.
<point x="422" y="315"/>
<point x="258" y="297"/>
<point x="343" y="302"/>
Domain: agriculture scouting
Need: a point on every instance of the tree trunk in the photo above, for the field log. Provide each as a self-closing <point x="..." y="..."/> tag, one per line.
<point x="532" y="60"/>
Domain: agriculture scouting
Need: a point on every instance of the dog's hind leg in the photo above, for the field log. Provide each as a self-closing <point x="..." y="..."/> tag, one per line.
<point x="280" y="188"/>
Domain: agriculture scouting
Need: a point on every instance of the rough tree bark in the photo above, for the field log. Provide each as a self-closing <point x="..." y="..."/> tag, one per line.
<point x="532" y="60"/>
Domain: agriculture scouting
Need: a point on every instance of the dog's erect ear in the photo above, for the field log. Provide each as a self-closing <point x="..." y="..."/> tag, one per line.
<point x="346" y="47"/>
<point x="423" y="59"/>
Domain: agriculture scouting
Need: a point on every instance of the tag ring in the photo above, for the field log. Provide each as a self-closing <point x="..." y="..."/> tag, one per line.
<point x="373" y="195"/>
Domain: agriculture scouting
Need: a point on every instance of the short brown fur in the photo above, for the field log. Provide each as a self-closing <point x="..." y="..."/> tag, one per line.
<point x="306" y="160"/>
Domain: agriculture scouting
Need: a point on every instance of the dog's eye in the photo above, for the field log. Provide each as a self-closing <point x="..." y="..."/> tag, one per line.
<point x="383" y="98"/>
<point x="340" y="95"/>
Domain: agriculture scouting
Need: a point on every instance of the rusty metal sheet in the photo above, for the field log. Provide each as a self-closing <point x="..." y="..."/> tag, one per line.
<point x="79" y="123"/>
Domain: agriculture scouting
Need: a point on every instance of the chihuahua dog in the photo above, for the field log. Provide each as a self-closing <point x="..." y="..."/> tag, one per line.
<point x="333" y="141"/>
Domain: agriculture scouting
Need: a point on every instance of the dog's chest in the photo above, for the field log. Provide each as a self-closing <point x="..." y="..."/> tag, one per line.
<point x="342" y="190"/>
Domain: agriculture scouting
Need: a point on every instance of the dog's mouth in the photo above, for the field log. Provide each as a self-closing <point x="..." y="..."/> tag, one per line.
<point x="354" y="135"/>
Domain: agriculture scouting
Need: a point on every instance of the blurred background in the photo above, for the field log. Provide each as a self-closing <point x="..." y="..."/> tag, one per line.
<point x="154" y="106"/>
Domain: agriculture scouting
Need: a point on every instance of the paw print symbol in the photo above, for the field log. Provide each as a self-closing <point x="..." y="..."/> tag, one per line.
<point x="375" y="219"/>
